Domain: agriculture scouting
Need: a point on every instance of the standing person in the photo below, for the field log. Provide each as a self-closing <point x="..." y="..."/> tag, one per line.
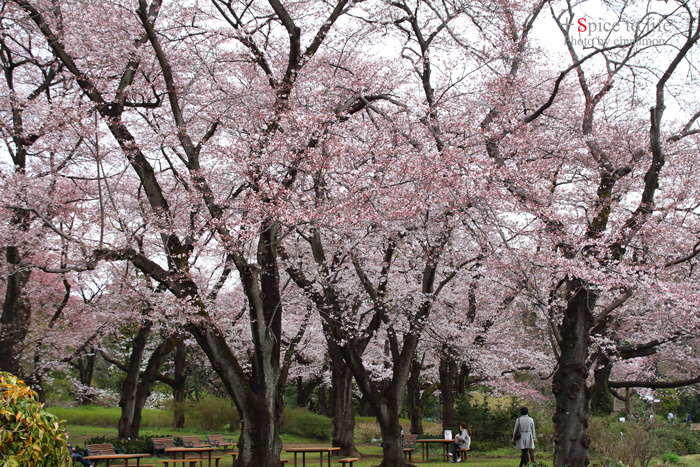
<point x="671" y="418"/>
<point x="687" y="419"/>
<point x="524" y="437"/>
<point x="462" y="441"/>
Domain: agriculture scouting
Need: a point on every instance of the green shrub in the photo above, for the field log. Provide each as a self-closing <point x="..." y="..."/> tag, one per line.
<point x="212" y="414"/>
<point x="29" y="435"/>
<point x="366" y="429"/>
<point x="679" y="439"/>
<point x="307" y="424"/>
<point x="614" y="443"/>
<point x="671" y="458"/>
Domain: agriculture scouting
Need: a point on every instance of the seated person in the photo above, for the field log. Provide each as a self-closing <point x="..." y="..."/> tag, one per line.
<point x="77" y="457"/>
<point x="462" y="441"/>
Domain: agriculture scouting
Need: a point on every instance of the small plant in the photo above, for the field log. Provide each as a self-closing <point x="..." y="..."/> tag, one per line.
<point x="28" y="434"/>
<point x="671" y="458"/>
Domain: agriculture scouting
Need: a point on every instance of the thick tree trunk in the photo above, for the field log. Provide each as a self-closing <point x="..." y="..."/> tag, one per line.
<point x="260" y="444"/>
<point x="392" y="445"/>
<point x="323" y="404"/>
<point x="86" y="368"/>
<point x="16" y="313"/>
<point x="413" y="399"/>
<point x="601" y="401"/>
<point x="146" y="383"/>
<point x="341" y="405"/>
<point x="569" y="383"/>
<point x="127" y="402"/>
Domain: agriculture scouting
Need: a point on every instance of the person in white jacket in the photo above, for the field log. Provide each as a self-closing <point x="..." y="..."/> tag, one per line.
<point x="524" y="437"/>
<point x="462" y="441"/>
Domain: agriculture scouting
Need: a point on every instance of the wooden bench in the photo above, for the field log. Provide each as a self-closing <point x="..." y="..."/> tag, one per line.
<point x="463" y="454"/>
<point x="220" y="441"/>
<point x="102" y="450"/>
<point x="194" y="442"/>
<point x="161" y="444"/>
<point x="348" y="460"/>
<point x="409" y="445"/>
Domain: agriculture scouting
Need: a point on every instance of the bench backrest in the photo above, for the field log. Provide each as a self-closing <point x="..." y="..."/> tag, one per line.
<point x="409" y="441"/>
<point x="193" y="441"/>
<point x="161" y="444"/>
<point x="216" y="440"/>
<point x="99" y="449"/>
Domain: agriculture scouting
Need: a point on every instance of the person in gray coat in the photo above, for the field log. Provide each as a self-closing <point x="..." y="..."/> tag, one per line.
<point x="525" y="427"/>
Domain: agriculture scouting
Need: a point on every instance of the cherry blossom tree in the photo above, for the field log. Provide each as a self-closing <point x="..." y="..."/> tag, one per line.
<point x="182" y="120"/>
<point x="598" y="198"/>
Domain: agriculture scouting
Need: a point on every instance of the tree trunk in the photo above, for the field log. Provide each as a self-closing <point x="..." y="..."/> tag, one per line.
<point x="179" y="385"/>
<point x="16" y="311"/>
<point x="413" y="399"/>
<point x="392" y="445"/>
<point x="447" y="371"/>
<point x="127" y="402"/>
<point x="146" y="383"/>
<point x="569" y="383"/>
<point x="602" y="402"/>
<point x="341" y="405"/>
<point x="86" y="368"/>
<point x="323" y="405"/>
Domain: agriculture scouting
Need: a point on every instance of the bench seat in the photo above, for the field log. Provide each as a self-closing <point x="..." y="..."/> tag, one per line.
<point x="348" y="460"/>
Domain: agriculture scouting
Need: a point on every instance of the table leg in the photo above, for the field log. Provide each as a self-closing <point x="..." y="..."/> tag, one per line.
<point x="295" y="459"/>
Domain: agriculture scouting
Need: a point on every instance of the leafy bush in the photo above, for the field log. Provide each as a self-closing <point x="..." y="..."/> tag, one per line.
<point x="212" y="414"/>
<point x="613" y="443"/>
<point x="671" y="458"/>
<point x="679" y="439"/>
<point x="28" y="434"/>
<point x="366" y="428"/>
<point x="307" y="424"/>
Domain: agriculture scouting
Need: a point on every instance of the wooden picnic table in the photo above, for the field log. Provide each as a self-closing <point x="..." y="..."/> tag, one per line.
<point x="318" y="449"/>
<point x="426" y="452"/>
<point x="125" y="457"/>
<point x="200" y="450"/>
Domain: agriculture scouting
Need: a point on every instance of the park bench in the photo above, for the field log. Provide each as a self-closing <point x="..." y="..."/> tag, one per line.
<point x="161" y="444"/>
<point x="408" y="446"/>
<point x="194" y="442"/>
<point x="102" y="449"/>
<point x="348" y="460"/>
<point x="463" y="454"/>
<point x="220" y="441"/>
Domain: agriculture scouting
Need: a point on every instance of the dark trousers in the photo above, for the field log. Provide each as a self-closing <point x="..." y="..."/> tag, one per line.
<point x="77" y="458"/>
<point x="453" y="450"/>
<point x="527" y="455"/>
